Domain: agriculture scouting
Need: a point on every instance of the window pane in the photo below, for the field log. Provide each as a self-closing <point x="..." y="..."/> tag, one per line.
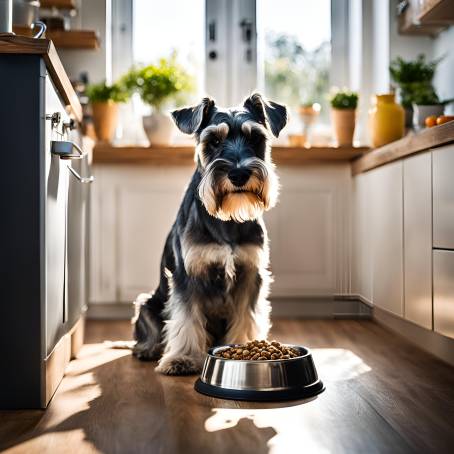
<point x="295" y="51"/>
<point x="161" y="27"/>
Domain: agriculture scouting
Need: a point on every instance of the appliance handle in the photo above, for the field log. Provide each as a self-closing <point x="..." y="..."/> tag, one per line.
<point x="65" y="149"/>
<point x="42" y="29"/>
<point x="88" y="180"/>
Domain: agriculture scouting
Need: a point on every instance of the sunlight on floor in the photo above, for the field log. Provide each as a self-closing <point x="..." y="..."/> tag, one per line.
<point x="336" y="364"/>
<point x="292" y="424"/>
<point x="289" y="423"/>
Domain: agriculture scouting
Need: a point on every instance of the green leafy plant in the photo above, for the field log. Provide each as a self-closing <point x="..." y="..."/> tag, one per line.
<point x="102" y="92"/>
<point x="425" y="95"/>
<point x="160" y="83"/>
<point x="344" y="100"/>
<point x="414" y="79"/>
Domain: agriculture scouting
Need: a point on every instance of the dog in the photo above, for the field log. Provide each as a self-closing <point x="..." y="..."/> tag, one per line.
<point x="214" y="275"/>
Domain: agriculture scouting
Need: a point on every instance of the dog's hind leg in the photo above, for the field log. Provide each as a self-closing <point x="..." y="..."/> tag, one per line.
<point x="147" y="328"/>
<point x="148" y="322"/>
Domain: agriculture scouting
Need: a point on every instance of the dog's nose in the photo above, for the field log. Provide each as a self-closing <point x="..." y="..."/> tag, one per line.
<point x="239" y="176"/>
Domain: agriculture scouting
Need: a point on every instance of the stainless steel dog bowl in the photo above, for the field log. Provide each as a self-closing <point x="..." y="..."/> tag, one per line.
<point x="271" y="380"/>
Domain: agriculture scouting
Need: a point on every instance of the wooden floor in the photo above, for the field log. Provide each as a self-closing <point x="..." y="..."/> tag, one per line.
<point x="382" y="395"/>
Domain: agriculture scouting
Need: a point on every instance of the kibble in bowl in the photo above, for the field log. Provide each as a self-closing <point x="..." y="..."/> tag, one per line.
<point x="258" y="350"/>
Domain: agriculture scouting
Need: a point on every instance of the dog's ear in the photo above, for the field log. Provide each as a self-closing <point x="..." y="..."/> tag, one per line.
<point x="268" y="113"/>
<point x="191" y="119"/>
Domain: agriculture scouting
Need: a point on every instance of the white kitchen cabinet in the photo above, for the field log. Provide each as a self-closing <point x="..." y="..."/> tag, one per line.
<point x="361" y="233"/>
<point x="132" y="211"/>
<point x="387" y="237"/>
<point x="133" y="208"/>
<point x="309" y="231"/>
<point x="443" y="197"/>
<point x="444" y="292"/>
<point x="417" y="192"/>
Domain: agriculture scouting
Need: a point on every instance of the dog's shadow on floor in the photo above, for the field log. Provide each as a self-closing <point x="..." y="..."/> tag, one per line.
<point x="127" y="407"/>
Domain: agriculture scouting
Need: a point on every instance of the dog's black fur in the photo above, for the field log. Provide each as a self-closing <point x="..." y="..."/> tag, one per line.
<point x="213" y="275"/>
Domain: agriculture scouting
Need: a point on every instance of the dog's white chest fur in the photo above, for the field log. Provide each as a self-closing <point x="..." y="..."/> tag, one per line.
<point x="199" y="258"/>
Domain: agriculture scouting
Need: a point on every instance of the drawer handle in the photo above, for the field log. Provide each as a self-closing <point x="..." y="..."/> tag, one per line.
<point x="81" y="179"/>
<point x="65" y="149"/>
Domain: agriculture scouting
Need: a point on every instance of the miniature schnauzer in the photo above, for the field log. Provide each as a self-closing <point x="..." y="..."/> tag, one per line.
<point x="214" y="269"/>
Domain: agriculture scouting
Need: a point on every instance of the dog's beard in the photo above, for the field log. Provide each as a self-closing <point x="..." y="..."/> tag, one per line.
<point x="227" y="202"/>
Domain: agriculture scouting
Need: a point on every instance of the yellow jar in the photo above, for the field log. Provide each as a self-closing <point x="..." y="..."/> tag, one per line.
<point x="386" y="120"/>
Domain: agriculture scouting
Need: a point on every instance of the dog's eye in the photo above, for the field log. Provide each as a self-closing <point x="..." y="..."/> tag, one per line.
<point x="215" y="142"/>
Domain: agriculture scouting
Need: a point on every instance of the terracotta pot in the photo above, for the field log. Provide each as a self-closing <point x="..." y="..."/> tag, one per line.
<point x="386" y="120"/>
<point x="105" y="115"/>
<point x="159" y="128"/>
<point x="344" y="125"/>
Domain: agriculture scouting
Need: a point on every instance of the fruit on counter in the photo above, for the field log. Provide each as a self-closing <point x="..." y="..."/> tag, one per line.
<point x="431" y="121"/>
<point x="444" y="119"/>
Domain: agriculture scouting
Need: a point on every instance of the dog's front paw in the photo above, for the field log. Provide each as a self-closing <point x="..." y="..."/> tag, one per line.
<point x="183" y="365"/>
<point x="146" y="352"/>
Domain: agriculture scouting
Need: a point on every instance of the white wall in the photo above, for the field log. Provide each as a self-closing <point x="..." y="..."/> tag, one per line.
<point x="92" y="15"/>
<point x="444" y="45"/>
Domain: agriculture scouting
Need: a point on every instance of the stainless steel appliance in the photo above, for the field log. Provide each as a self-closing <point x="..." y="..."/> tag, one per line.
<point x="44" y="199"/>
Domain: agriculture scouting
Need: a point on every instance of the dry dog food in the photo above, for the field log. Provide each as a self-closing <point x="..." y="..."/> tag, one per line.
<point x="259" y="351"/>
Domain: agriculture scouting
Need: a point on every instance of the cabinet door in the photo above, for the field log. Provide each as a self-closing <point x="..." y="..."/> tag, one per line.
<point x="56" y="189"/>
<point x="444" y="292"/>
<point x="418" y="239"/>
<point x="443" y="197"/>
<point x="362" y="244"/>
<point x="386" y="236"/>
<point x="309" y="231"/>
<point x="132" y="211"/>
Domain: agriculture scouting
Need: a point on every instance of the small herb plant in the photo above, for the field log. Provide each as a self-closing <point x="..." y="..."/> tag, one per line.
<point x="344" y="100"/>
<point x="414" y="78"/>
<point x="103" y="93"/>
<point x="159" y="83"/>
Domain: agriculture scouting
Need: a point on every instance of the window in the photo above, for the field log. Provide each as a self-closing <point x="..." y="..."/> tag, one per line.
<point x="295" y="43"/>
<point x="161" y="28"/>
<point x="284" y="48"/>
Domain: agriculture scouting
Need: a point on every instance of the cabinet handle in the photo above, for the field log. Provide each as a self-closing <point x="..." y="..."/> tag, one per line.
<point x="90" y="179"/>
<point x="65" y="149"/>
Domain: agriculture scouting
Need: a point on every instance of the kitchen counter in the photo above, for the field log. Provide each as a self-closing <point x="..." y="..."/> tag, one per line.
<point x="411" y="144"/>
<point x="21" y="45"/>
<point x="184" y="155"/>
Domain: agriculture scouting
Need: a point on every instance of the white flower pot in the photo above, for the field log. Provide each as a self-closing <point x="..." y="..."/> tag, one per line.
<point x="420" y="113"/>
<point x="159" y="128"/>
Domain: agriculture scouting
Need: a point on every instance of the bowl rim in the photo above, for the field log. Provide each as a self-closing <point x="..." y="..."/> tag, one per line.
<point x="211" y="354"/>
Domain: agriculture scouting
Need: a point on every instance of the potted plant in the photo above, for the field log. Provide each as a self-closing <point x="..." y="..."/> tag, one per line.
<point x="308" y="112"/>
<point x="104" y="101"/>
<point x="412" y="78"/>
<point x="157" y="85"/>
<point x="425" y="104"/>
<point x="343" y="115"/>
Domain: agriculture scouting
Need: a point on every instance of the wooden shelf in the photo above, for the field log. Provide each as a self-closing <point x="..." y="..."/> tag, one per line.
<point x="74" y="39"/>
<point x="184" y="155"/>
<point x="71" y="39"/>
<point x="437" y="12"/>
<point x="60" y="4"/>
<point x="409" y="145"/>
<point x="407" y="25"/>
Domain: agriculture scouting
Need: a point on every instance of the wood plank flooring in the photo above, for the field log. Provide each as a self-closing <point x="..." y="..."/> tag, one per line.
<point x="383" y="395"/>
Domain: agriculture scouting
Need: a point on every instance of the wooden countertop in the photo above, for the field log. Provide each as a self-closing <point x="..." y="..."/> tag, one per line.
<point x="184" y="155"/>
<point x="12" y="44"/>
<point x="409" y="145"/>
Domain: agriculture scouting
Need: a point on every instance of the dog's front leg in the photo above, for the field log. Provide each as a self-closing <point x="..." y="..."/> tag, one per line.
<point x="250" y="320"/>
<point x="185" y="337"/>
